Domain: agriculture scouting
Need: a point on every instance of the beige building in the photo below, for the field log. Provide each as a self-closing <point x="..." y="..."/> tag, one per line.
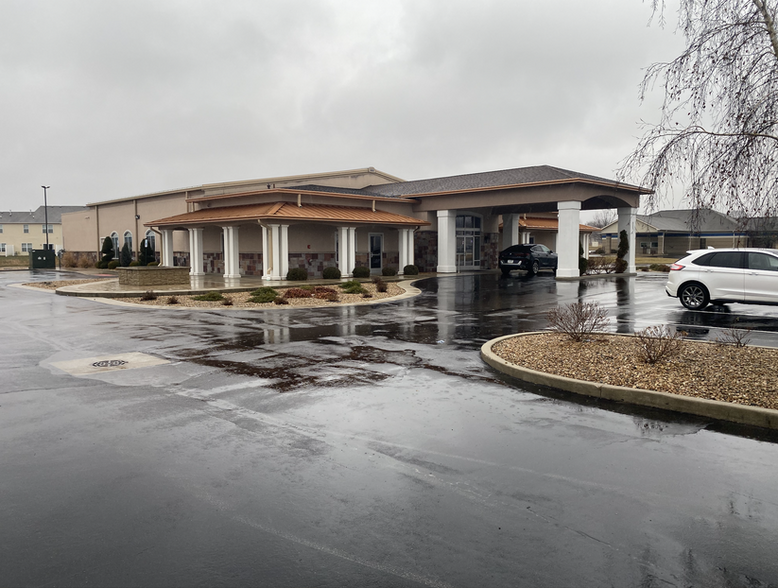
<point x="361" y="217"/>
<point x="21" y="232"/>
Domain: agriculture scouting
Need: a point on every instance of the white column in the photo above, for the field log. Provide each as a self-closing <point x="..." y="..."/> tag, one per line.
<point x="627" y="222"/>
<point x="167" y="247"/>
<point x="284" y="251"/>
<point x="525" y="238"/>
<point x="447" y="242"/>
<point x="231" y="253"/>
<point x="402" y="241"/>
<point x="585" y="238"/>
<point x="567" y="239"/>
<point x="411" y="236"/>
<point x="267" y="260"/>
<point x="196" y="252"/>
<point x="510" y="230"/>
<point x="274" y="257"/>
<point x="343" y="257"/>
<point x="352" y="250"/>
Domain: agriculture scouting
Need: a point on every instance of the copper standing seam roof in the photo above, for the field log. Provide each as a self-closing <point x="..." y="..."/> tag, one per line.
<point x="283" y="211"/>
<point x="549" y="224"/>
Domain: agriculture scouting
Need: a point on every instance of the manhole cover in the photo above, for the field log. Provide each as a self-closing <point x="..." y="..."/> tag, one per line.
<point x="109" y="363"/>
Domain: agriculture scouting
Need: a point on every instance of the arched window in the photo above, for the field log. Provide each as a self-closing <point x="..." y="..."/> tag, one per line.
<point x="115" y="239"/>
<point x="151" y="240"/>
<point x="128" y="240"/>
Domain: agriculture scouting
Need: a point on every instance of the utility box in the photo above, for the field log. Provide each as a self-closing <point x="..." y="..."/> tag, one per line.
<point x="42" y="259"/>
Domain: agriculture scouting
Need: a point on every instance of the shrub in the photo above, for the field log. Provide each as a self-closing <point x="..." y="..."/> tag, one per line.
<point x="601" y="265"/>
<point x="331" y="273"/>
<point x="389" y="270"/>
<point x="212" y="296"/>
<point x="125" y="255"/>
<point x="226" y="301"/>
<point x="263" y="295"/>
<point x="101" y="264"/>
<point x="578" y="320"/>
<point x="599" y="251"/>
<point x="149" y="295"/>
<point x="323" y="293"/>
<point x="134" y="264"/>
<point x="411" y="270"/>
<point x="352" y="287"/>
<point x="620" y="266"/>
<point x="366" y="295"/>
<point x="380" y="285"/>
<point x="298" y="293"/>
<point x="736" y="337"/>
<point x="297" y="274"/>
<point x="172" y="300"/>
<point x="623" y="249"/>
<point x="280" y="300"/>
<point x="659" y="267"/>
<point x="152" y="264"/>
<point x="69" y="259"/>
<point x="583" y="266"/>
<point x="84" y="262"/>
<point x="112" y="264"/>
<point x="657" y="343"/>
<point x="146" y="253"/>
<point x="361" y="272"/>
<point x="107" y="251"/>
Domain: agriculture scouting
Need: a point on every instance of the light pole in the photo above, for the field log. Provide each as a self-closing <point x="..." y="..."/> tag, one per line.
<point x="46" y="215"/>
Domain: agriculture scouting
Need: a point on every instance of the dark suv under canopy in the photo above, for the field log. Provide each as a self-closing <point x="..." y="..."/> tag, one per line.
<point x="531" y="258"/>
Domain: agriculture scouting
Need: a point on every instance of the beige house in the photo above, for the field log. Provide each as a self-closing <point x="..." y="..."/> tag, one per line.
<point x="361" y="217"/>
<point x="21" y="232"/>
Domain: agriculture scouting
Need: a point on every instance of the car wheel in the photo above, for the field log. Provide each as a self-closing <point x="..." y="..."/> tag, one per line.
<point x="694" y="296"/>
<point x="535" y="268"/>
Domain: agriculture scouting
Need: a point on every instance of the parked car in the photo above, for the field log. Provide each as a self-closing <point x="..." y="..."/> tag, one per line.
<point x="531" y="258"/>
<point x="719" y="276"/>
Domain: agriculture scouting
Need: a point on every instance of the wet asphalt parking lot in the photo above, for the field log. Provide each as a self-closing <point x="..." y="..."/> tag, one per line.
<point x="362" y="446"/>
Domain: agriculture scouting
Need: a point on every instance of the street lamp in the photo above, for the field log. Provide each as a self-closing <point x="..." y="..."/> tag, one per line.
<point x="46" y="215"/>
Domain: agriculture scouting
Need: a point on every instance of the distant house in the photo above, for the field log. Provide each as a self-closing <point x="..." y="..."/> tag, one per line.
<point x="21" y="232"/>
<point x="670" y="233"/>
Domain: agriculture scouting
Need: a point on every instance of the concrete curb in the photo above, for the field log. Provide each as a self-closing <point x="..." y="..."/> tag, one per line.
<point x="714" y="409"/>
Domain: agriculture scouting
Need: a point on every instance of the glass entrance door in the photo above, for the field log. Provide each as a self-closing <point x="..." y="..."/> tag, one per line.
<point x="468" y="241"/>
<point x="376" y="250"/>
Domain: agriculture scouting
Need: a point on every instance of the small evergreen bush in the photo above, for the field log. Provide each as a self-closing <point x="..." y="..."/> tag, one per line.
<point x="146" y="253"/>
<point x="352" y="287"/>
<point x="107" y="251"/>
<point x="411" y="270"/>
<point x="389" y="270"/>
<point x="212" y="296"/>
<point x="331" y="273"/>
<point x="263" y="295"/>
<point x="134" y="264"/>
<point x="622" y="264"/>
<point x="361" y="272"/>
<point x="125" y="255"/>
<point x="152" y="264"/>
<point x="297" y="274"/>
<point x="112" y="264"/>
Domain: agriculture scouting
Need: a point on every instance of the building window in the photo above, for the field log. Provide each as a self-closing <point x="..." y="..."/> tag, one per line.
<point x="45" y="229"/>
<point x="26" y="247"/>
<point x="1" y="228"/>
<point x="151" y="240"/>
<point x="128" y="240"/>
<point x="115" y="239"/>
<point x="468" y="241"/>
<point x="2" y="247"/>
<point x="26" y="228"/>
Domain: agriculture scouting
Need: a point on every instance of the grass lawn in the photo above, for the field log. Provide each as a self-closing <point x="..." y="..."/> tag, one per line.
<point x="650" y="260"/>
<point x="15" y="261"/>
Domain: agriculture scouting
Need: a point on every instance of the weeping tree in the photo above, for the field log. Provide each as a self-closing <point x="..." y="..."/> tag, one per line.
<point x="718" y="132"/>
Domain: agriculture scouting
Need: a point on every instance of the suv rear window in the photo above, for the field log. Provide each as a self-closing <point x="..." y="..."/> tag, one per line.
<point x="721" y="259"/>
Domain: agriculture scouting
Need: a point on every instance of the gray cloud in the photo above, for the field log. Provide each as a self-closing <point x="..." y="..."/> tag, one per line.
<point x="109" y="99"/>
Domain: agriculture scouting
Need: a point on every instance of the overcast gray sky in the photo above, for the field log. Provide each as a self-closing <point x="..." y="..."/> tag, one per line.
<point x="104" y="99"/>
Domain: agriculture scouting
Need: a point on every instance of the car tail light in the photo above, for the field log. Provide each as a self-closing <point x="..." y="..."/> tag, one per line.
<point x="676" y="266"/>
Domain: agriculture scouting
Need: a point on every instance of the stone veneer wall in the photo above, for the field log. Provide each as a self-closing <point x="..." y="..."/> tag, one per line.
<point x="251" y="264"/>
<point x="490" y="250"/>
<point x="425" y="251"/>
<point x="313" y="263"/>
<point x="153" y="276"/>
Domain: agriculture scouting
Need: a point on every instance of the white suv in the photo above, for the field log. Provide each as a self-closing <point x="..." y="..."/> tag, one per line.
<point x="725" y="275"/>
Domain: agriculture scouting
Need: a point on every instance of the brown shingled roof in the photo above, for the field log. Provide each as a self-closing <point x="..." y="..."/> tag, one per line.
<point x="286" y="211"/>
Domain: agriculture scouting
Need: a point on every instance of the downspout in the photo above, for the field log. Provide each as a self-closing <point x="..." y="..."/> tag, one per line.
<point x="97" y="225"/>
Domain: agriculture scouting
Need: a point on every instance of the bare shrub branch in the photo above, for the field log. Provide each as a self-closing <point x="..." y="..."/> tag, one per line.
<point x="658" y="343"/>
<point x="718" y="132"/>
<point x="736" y="337"/>
<point x="578" y="320"/>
